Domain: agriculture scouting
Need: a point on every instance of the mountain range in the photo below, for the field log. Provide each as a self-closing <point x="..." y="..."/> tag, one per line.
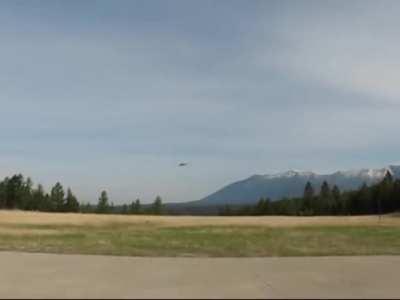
<point x="291" y="184"/>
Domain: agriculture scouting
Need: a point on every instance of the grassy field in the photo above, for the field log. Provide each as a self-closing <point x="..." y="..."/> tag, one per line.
<point x="199" y="236"/>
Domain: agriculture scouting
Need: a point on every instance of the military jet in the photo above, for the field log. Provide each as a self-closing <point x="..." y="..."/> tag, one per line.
<point x="184" y="164"/>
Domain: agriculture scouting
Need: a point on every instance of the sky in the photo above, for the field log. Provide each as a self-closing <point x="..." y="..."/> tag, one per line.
<point x="115" y="94"/>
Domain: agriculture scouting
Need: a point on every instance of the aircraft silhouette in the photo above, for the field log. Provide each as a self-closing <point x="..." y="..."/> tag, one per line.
<point x="182" y="164"/>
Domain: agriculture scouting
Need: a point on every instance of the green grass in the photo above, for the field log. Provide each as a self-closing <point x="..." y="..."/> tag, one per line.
<point x="217" y="241"/>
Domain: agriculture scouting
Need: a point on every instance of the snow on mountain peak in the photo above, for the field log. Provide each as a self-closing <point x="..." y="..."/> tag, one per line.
<point x="363" y="173"/>
<point x="368" y="174"/>
<point x="289" y="173"/>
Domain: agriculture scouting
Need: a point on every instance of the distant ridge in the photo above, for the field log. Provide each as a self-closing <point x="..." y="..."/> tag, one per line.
<point x="291" y="184"/>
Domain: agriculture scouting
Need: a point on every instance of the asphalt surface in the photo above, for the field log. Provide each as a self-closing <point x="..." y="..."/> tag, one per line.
<point x="29" y="275"/>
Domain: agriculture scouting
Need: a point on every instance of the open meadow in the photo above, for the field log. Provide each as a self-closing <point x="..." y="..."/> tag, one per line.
<point x="142" y="235"/>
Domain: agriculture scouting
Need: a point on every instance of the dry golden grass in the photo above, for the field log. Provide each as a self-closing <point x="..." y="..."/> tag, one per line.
<point x="198" y="236"/>
<point x="39" y="218"/>
<point x="12" y="231"/>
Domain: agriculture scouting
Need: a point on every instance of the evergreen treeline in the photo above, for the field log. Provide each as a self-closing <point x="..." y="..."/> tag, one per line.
<point x="383" y="197"/>
<point x="17" y="192"/>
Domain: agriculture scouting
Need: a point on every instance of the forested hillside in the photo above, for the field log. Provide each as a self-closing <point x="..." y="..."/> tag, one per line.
<point x="383" y="197"/>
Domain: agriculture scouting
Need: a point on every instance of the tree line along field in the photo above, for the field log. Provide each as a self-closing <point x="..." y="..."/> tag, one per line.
<point x="17" y="192"/>
<point x="146" y="235"/>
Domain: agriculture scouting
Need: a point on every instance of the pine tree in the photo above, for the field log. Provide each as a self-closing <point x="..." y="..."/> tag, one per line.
<point x="2" y="194"/>
<point x="308" y="191"/>
<point x="364" y="203"/>
<point x="134" y="207"/>
<point x="71" y="202"/>
<point x="308" y="199"/>
<point x="337" y="203"/>
<point x="26" y="193"/>
<point x="259" y="209"/>
<point x="396" y="195"/>
<point x="325" y="203"/>
<point x="157" y="206"/>
<point x="44" y="200"/>
<point x="336" y="192"/>
<point x="384" y="197"/>
<point x="325" y="190"/>
<point x="267" y="206"/>
<point x="103" y="206"/>
<point x="14" y="191"/>
<point x="138" y="206"/>
<point x="57" y="197"/>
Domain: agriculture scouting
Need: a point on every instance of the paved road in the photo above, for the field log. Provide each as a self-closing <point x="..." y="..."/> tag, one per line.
<point x="24" y="275"/>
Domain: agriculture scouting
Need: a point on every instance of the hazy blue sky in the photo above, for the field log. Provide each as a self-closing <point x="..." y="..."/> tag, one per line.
<point x="114" y="94"/>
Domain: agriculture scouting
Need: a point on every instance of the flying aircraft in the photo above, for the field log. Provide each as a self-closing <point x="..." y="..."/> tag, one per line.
<point x="183" y="164"/>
